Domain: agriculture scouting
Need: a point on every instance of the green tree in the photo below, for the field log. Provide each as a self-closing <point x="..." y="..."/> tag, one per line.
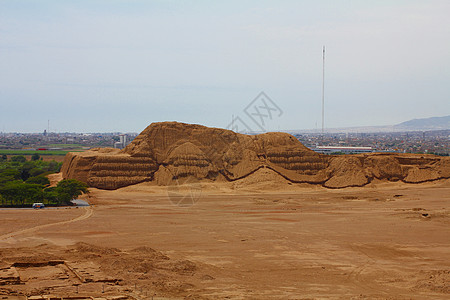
<point x="10" y="191"/>
<point x="9" y="175"/>
<point x="10" y="172"/>
<point x="69" y="189"/>
<point x="32" y="192"/>
<point x="54" y="166"/>
<point x="26" y="168"/>
<point x="19" y="193"/>
<point x="41" y="180"/>
<point x="35" y="156"/>
<point x="50" y="195"/>
<point x="36" y="172"/>
<point x="18" y="158"/>
<point x="3" y="157"/>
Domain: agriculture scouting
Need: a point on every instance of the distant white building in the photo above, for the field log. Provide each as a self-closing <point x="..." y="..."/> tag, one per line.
<point x="122" y="143"/>
<point x="123" y="139"/>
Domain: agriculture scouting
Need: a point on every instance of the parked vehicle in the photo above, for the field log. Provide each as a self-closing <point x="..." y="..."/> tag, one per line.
<point x="38" y="205"/>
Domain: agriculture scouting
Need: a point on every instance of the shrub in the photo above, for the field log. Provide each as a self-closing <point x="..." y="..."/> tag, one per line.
<point x="18" y="158"/>
<point x="41" y="180"/>
<point x="69" y="189"/>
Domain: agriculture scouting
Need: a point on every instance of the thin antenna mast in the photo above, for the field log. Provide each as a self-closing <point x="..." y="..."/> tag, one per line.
<point x="323" y="89"/>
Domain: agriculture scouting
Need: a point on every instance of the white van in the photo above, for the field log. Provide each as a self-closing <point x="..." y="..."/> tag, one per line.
<point x="38" y="205"/>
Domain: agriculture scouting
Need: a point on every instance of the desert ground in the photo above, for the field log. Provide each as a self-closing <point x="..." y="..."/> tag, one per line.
<point x="234" y="241"/>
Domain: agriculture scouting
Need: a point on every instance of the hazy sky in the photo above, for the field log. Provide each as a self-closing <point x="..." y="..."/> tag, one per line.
<point x="94" y="66"/>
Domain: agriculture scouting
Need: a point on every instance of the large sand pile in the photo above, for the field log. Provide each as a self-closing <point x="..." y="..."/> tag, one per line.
<point x="170" y="151"/>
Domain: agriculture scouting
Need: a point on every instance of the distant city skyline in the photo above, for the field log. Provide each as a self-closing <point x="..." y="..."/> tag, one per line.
<point x="117" y="66"/>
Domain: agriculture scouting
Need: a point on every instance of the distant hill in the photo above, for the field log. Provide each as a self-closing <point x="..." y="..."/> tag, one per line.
<point x="434" y="123"/>
<point x="425" y="124"/>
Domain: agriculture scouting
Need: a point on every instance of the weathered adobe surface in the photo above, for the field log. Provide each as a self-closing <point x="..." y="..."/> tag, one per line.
<point x="170" y="151"/>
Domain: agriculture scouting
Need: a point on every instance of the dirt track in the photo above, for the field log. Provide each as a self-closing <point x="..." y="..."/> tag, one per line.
<point x="88" y="213"/>
<point x="385" y="241"/>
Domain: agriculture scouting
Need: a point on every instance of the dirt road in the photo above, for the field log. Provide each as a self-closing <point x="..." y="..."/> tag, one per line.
<point x="87" y="214"/>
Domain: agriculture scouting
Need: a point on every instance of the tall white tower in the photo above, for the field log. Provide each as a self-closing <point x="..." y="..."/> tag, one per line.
<point x="323" y="89"/>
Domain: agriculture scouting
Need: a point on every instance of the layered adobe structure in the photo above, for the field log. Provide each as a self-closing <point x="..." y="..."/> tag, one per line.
<point x="169" y="151"/>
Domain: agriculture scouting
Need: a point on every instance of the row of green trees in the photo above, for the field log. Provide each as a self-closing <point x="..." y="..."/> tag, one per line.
<point x="25" y="182"/>
<point x="17" y="193"/>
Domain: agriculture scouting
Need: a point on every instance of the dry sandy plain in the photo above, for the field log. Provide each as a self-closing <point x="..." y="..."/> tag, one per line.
<point x="246" y="241"/>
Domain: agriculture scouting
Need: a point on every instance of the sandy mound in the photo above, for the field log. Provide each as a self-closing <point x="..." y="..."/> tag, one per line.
<point x="171" y="153"/>
<point x="263" y="179"/>
<point x="54" y="178"/>
<point x="346" y="172"/>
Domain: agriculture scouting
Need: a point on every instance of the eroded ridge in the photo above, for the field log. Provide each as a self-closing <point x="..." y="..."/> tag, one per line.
<point x="170" y="151"/>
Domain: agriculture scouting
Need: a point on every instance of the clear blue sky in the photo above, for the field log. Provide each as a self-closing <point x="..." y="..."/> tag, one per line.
<point x="93" y="66"/>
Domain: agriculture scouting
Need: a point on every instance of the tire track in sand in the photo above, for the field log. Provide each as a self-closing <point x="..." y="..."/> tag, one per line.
<point x="88" y="213"/>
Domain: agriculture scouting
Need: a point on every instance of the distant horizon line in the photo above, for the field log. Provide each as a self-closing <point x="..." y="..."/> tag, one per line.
<point x="382" y="128"/>
<point x="355" y="129"/>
